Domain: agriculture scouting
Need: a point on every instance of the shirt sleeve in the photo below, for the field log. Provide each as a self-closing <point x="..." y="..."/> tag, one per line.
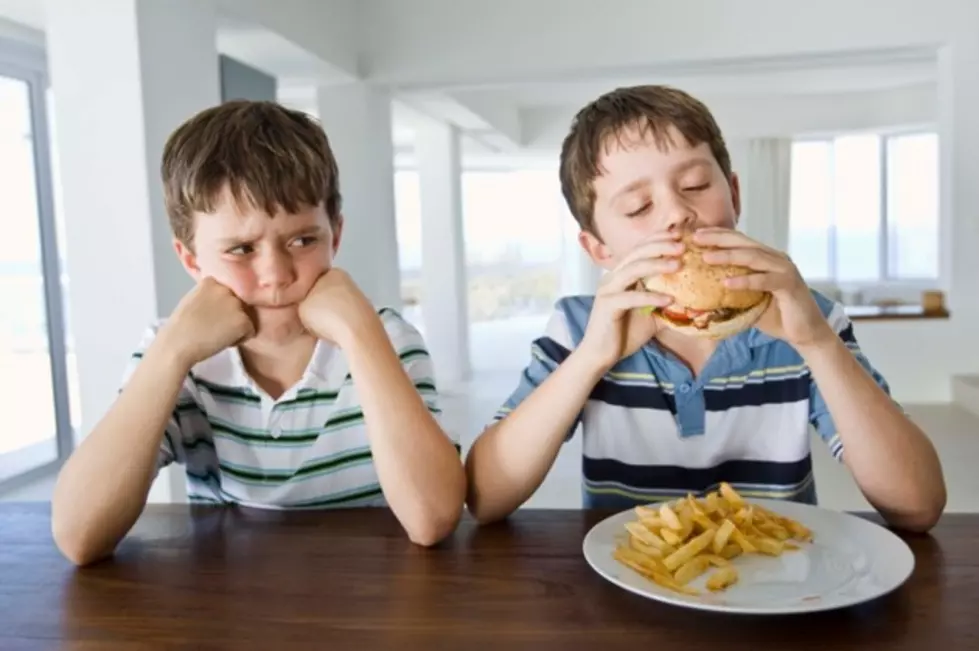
<point x="417" y="364"/>
<point x="547" y="352"/>
<point x="819" y="414"/>
<point x="171" y="446"/>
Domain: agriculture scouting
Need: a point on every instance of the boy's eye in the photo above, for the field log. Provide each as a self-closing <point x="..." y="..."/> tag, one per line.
<point x="697" y="188"/>
<point x="242" y="249"/>
<point x="304" y="241"/>
<point x="639" y="211"/>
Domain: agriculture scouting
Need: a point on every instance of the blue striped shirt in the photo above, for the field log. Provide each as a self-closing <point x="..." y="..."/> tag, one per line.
<point x="654" y="431"/>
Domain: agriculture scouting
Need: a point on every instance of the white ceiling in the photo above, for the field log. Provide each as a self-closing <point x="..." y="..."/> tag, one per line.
<point x="732" y="80"/>
<point x="26" y="12"/>
<point x="491" y="115"/>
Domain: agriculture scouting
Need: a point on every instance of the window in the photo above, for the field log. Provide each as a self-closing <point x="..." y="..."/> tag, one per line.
<point x="513" y="229"/>
<point x="34" y="391"/>
<point x="408" y="216"/>
<point x="513" y="225"/>
<point x="864" y="208"/>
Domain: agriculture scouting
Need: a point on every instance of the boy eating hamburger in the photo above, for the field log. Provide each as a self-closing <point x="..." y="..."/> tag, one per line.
<point x="703" y="357"/>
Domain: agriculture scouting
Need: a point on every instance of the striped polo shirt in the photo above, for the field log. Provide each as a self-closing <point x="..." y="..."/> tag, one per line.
<point x="306" y="449"/>
<point x="654" y="431"/>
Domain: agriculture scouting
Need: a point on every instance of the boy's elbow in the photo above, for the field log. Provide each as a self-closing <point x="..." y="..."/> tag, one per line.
<point x="920" y="521"/>
<point x="434" y="528"/>
<point x="428" y="536"/>
<point x="922" y="517"/>
<point x="481" y="506"/>
<point x="79" y="537"/>
<point x="483" y="517"/>
<point x="76" y="544"/>
<point x="439" y="519"/>
<point x="926" y="518"/>
<point x="482" y="511"/>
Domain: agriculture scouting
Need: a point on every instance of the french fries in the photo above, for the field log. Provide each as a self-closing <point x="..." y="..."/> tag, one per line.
<point x="675" y="542"/>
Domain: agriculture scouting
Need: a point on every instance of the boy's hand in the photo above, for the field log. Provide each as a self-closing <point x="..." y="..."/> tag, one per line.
<point x="208" y="319"/>
<point x="616" y="327"/>
<point x="793" y="315"/>
<point x="335" y="308"/>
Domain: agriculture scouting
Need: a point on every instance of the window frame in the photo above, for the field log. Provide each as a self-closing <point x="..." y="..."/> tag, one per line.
<point x="885" y="279"/>
<point x="27" y="62"/>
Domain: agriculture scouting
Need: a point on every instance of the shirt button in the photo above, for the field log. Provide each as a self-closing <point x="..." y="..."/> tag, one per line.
<point x="685" y="388"/>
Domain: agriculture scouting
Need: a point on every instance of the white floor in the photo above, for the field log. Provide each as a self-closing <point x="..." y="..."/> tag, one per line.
<point x="499" y="352"/>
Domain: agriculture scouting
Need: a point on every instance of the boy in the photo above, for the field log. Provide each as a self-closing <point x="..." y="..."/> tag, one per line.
<point x="662" y="413"/>
<point x="274" y="381"/>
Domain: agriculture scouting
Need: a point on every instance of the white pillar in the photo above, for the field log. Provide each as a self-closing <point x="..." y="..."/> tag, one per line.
<point x="357" y="121"/>
<point x="958" y="104"/>
<point x="124" y="74"/>
<point x="444" y="293"/>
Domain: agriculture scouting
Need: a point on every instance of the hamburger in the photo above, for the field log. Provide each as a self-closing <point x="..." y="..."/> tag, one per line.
<point x="702" y="306"/>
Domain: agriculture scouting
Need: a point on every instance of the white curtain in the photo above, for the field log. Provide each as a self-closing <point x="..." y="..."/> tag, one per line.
<point x="763" y="166"/>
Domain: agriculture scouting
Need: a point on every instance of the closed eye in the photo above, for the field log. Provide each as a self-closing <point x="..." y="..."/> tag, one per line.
<point x="697" y="188"/>
<point x="639" y="211"/>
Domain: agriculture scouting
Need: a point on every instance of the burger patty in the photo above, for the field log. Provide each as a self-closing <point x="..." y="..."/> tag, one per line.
<point x="700" y="319"/>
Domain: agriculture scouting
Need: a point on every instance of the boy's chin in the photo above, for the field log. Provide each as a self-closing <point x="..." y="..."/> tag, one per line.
<point x="277" y="321"/>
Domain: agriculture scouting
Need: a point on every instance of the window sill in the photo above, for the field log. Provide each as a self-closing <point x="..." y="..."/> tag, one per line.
<point x="893" y="313"/>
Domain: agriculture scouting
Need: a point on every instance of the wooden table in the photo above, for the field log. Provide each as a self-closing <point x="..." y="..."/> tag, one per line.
<point x="207" y="578"/>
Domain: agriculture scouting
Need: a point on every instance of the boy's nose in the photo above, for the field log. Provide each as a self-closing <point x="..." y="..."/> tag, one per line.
<point x="276" y="271"/>
<point x="680" y="218"/>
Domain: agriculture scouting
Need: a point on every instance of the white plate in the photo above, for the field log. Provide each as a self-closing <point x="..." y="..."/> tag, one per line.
<point x="849" y="561"/>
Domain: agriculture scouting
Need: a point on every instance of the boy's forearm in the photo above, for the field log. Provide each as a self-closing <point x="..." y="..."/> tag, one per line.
<point x="417" y="465"/>
<point x="509" y="460"/>
<point x="892" y="460"/>
<point x="103" y="486"/>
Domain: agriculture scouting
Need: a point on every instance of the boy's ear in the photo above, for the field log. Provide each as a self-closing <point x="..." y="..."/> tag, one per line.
<point x="187" y="259"/>
<point x="336" y="226"/>
<point x="735" y="184"/>
<point x="596" y="249"/>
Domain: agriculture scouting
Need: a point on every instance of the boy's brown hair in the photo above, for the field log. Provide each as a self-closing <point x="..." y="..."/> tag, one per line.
<point x="651" y="109"/>
<point x="268" y="156"/>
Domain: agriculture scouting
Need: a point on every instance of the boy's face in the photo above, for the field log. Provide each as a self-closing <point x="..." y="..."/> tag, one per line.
<point x="269" y="263"/>
<point x="643" y="190"/>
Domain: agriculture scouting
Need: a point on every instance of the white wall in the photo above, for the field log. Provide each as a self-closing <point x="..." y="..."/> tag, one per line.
<point x="116" y="99"/>
<point x="357" y="121"/>
<point x="169" y="96"/>
<point x="918" y="358"/>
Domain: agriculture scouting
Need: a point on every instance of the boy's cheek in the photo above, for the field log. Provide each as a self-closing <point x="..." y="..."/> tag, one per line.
<point x="722" y="217"/>
<point x="239" y="283"/>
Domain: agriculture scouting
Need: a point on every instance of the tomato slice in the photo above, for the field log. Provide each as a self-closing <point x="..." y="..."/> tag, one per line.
<point x="677" y="317"/>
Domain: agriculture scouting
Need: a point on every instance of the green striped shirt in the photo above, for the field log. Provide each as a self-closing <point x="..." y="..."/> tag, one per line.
<point x="306" y="449"/>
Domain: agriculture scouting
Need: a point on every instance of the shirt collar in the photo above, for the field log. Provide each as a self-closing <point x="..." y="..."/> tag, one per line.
<point x="732" y="353"/>
<point x="227" y="368"/>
